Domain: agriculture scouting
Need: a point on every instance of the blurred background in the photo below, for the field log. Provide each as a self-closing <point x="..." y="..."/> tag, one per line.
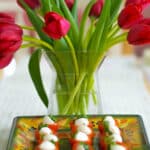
<point x="124" y="80"/>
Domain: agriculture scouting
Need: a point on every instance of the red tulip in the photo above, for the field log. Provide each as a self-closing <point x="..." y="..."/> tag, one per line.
<point x="97" y="8"/>
<point x="10" y="38"/>
<point x="55" y="25"/>
<point x="5" y="60"/>
<point x="140" y="33"/>
<point x="129" y="16"/>
<point x="69" y="3"/>
<point x="143" y="3"/>
<point x="6" y="18"/>
<point x="31" y="3"/>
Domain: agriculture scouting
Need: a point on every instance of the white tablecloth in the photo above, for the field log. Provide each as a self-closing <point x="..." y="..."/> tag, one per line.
<point x="121" y="84"/>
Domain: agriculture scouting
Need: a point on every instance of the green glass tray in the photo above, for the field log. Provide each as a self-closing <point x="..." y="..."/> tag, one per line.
<point x="131" y="126"/>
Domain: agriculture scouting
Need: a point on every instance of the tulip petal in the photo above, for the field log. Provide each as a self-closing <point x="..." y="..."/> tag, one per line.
<point x="129" y="16"/>
<point x="5" y="60"/>
<point x="4" y="17"/>
<point x="139" y="34"/>
<point x="55" y="25"/>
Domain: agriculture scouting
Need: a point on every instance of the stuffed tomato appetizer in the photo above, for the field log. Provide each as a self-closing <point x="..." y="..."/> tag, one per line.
<point x="82" y="125"/>
<point x="110" y="135"/>
<point x="46" y="135"/>
<point x="82" y="134"/>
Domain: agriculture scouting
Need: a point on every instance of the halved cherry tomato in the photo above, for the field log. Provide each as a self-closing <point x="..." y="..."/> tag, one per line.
<point x="38" y="137"/>
<point x="73" y="127"/>
<point x="101" y="129"/>
<point x="53" y="127"/>
<point x="103" y="145"/>
<point x="122" y="144"/>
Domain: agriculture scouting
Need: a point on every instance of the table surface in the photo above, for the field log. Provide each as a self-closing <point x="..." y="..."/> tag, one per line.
<point x="122" y="87"/>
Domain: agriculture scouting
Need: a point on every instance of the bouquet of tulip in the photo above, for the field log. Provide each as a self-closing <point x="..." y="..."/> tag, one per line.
<point x="74" y="48"/>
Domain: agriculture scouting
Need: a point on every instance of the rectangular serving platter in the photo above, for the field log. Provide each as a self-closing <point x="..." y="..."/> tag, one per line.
<point x="131" y="126"/>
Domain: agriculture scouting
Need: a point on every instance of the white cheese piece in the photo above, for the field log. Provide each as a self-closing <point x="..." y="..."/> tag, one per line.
<point x="117" y="147"/>
<point x="80" y="147"/>
<point x="50" y="137"/>
<point x="114" y="129"/>
<point x="110" y="121"/>
<point x="80" y="136"/>
<point x="84" y="129"/>
<point x="116" y="138"/>
<point x="47" y="120"/>
<point x="45" y="131"/>
<point x="46" y="145"/>
<point x="82" y="121"/>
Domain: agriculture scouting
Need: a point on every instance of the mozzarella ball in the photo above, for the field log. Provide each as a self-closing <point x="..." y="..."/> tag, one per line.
<point x="110" y="120"/>
<point x="117" y="147"/>
<point x="80" y="136"/>
<point x="45" y="131"/>
<point x="47" y="120"/>
<point x="114" y="129"/>
<point x="84" y="129"/>
<point x="46" y="145"/>
<point x="82" y="121"/>
<point x="50" y="137"/>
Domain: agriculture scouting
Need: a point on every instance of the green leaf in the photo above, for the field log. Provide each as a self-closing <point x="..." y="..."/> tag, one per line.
<point x="46" y="6"/>
<point x="115" y="6"/>
<point x="75" y="11"/>
<point x="83" y="22"/>
<point x="36" y="22"/>
<point x="101" y="26"/>
<point x="34" y="70"/>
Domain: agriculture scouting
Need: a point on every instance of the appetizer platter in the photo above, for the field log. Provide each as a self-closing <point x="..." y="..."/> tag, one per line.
<point x="93" y="132"/>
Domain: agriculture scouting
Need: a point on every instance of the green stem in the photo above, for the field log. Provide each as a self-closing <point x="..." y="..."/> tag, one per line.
<point x="89" y="34"/>
<point x="38" y="41"/>
<point x="29" y="45"/>
<point x="27" y="28"/>
<point x="83" y="22"/>
<point x="74" y="92"/>
<point x="116" y="40"/>
<point x="111" y="43"/>
<point x="73" y="54"/>
<point x="113" y="31"/>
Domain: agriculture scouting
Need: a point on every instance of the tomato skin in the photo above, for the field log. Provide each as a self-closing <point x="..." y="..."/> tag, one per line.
<point x="103" y="145"/>
<point x="101" y="129"/>
<point x="38" y="137"/>
<point x="73" y="127"/>
<point x="53" y="127"/>
<point x="57" y="146"/>
<point x="122" y="144"/>
<point x="37" y="148"/>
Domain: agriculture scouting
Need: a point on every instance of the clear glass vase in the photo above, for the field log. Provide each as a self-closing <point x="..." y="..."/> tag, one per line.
<point x="72" y="93"/>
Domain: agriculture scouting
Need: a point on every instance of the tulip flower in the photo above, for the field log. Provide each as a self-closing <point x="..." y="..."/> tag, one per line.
<point x="143" y="3"/>
<point x="6" y="18"/>
<point x="31" y="3"/>
<point x="69" y="3"/>
<point x="140" y="33"/>
<point x="10" y="38"/>
<point x="129" y="16"/>
<point x="97" y="8"/>
<point x="5" y="60"/>
<point x="55" y="25"/>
